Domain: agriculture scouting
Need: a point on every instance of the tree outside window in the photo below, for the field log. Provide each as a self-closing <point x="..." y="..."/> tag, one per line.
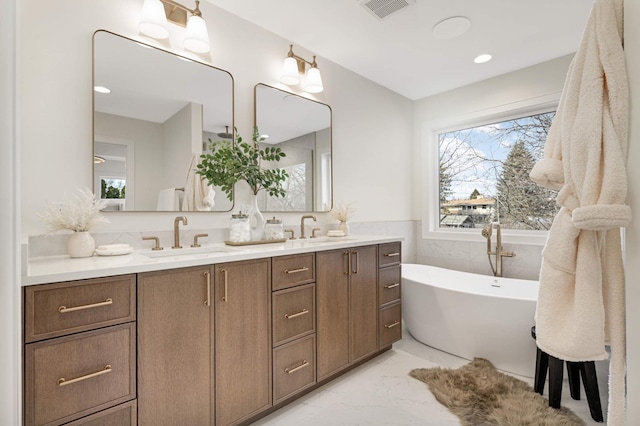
<point x="112" y="188"/>
<point x="484" y="175"/>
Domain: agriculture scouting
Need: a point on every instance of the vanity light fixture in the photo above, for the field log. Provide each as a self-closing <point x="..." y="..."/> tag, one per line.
<point x="157" y="13"/>
<point x="295" y="65"/>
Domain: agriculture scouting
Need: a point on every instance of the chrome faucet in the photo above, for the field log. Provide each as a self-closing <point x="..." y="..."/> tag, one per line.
<point x="308" y="216"/>
<point x="176" y="230"/>
<point x="498" y="253"/>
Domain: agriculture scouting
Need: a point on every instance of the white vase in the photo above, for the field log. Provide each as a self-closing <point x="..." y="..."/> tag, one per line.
<point x="256" y="219"/>
<point x="81" y="244"/>
<point x="344" y="227"/>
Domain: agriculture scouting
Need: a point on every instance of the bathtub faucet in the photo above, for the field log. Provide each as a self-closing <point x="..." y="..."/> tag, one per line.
<point x="498" y="253"/>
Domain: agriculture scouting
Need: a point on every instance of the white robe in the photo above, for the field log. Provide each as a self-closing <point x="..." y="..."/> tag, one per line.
<point x="199" y="196"/>
<point x="581" y="297"/>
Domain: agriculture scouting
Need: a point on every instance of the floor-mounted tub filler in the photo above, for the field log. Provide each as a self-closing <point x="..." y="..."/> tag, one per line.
<point x="472" y="315"/>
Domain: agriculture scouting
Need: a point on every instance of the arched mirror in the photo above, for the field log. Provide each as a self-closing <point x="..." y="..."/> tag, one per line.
<point x="153" y="124"/>
<point x="301" y="127"/>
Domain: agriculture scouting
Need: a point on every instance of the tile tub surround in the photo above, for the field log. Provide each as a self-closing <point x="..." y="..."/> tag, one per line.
<point x="382" y="393"/>
<point x="471" y="256"/>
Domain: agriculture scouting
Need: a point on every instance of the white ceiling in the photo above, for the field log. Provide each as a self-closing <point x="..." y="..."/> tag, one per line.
<point x="400" y="51"/>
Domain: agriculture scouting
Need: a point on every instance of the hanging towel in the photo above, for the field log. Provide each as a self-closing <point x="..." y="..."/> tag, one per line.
<point x="581" y="298"/>
<point x="168" y="200"/>
<point x="198" y="195"/>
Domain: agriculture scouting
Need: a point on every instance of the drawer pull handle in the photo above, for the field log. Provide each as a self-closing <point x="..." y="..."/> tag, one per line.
<point x="302" y="312"/>
<point x="393" y="324"/>
<point x="394" y="285"/>
<point x="357" y="262"/>
<point x="64" y="309"/>
<point x="63" y="382"/>
<point x="293" y="271"/>
<point x="225" y="274"/>
<point x="207" y="276"/>
<point x="300" y="367"/>
<point x="392" y="254"/>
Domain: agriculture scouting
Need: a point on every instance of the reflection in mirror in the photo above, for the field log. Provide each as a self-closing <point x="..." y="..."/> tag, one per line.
<point x="301" y="127"/>
<point x="152" y="126"/>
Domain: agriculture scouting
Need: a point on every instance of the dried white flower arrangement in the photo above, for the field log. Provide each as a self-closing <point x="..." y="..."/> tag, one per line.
<point x="78" y="214"/>
<point x="343" y="212"/>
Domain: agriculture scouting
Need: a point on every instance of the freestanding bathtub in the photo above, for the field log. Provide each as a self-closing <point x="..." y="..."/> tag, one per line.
<point x="471" y="315"/>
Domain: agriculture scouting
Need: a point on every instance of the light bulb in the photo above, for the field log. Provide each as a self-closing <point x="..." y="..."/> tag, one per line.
<point x="290" y="74"/>
<point x="313" y="82"/>
<point x="196" y="37"/>
<point x="153" y="21"/>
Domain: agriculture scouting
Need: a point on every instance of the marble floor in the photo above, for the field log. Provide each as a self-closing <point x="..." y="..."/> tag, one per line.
<point x="381" y="392"/>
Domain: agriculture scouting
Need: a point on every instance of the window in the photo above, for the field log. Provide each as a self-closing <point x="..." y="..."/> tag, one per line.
<point x="295" y="186"/>
<point x="484" y="175"/>
<point x="112" y="188"/>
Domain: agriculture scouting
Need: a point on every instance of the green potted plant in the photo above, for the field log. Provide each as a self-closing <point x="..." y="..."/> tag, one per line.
<point x="229" y="163"/>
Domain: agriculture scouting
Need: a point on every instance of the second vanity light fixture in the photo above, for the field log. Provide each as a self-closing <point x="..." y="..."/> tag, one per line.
<point x="293" y="66"/>
<point x="156" y="14"/>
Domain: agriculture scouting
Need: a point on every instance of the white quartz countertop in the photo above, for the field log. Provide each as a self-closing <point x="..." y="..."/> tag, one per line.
<point x="50" y="269"/>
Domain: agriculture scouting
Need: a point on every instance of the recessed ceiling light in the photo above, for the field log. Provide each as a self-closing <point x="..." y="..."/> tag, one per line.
<point x="481" y="59"/>
<point x="101" y="89"/>
<point x="451" y="27"/>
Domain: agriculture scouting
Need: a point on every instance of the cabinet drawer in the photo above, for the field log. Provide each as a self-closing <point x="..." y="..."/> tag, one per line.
<point x="389" y="285"/>
<point x="390" y="324"/>
<point x="294" y="367"/>
<point x="289" y="271"/>
<point x="73" y="376"/>
<point x="293" y="313"/>
<point x="389" y="254"/>
<point x="54" y="310"/>
<point x="121" y="415"/>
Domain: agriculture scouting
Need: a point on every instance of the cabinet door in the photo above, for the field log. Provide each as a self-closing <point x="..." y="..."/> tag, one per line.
<point x="363" y="301"/>
<point x="174" y="348"/>
<point x="332" y="283"/>
<point x="242" y="339"/>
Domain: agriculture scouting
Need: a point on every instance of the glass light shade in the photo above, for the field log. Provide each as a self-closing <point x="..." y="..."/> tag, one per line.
<point x="196" y="37"/>
<point x="313" y="82"/>
<point x="153" y="21"/>
<point x="290" y="74"/>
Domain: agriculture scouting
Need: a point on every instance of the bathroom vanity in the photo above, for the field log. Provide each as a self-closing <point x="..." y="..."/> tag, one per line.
<point x="220" y="335"/>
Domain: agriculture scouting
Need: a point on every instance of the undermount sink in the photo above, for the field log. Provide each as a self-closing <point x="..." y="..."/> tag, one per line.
<point x="325" y="239"/>
<point x="194" y="252"/>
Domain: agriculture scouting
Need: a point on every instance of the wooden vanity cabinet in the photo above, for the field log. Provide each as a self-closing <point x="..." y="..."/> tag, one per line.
<point x="175" y="347"/>
<point x="389" y="292"/>
<point x="80" y="349"/>
<point x="294" y="325"/>
<point x="242" y="308"/>
<point x="219" y="344"/>
<point x="347" y="307"/>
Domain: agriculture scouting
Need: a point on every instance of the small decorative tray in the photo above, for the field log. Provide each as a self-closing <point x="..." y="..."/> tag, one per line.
<point x="250" y="243"/>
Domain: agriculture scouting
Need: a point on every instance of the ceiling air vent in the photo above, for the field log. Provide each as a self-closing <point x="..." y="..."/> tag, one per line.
<point x="382" y="9"/>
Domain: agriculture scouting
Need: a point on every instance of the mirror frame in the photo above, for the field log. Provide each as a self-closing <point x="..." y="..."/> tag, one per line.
<point x="101" y="138"/>
<point x="255" y="123"/>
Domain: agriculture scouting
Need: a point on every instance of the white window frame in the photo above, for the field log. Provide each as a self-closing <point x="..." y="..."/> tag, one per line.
<point x="430" y="160"/>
